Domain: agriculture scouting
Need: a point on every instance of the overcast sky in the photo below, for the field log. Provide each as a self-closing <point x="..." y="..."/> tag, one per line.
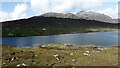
<point x="18" y="9"/>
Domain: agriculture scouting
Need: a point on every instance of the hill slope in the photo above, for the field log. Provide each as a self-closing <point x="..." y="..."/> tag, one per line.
<point x="41" y="25"/>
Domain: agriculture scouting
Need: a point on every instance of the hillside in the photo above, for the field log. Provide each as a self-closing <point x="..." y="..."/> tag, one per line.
<point x="41" y="25"/>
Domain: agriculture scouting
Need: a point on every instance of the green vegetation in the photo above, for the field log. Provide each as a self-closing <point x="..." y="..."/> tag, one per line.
<point x="60" y="55"/>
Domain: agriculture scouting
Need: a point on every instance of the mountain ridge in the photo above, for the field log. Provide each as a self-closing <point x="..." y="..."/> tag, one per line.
<point x="81" y="15"/>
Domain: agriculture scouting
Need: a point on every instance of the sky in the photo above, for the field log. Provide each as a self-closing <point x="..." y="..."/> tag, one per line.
<point x="19" y="9"/>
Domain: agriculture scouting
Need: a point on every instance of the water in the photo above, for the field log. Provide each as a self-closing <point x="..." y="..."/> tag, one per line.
<point x="95" y="38"/>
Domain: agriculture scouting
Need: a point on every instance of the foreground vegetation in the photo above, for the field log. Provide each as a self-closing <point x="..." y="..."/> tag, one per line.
<point x="60" y="55"/>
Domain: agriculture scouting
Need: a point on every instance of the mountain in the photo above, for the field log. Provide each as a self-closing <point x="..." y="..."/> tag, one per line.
<point x="53" y="23"/>
<point x="94" y="16"/>
<point x="116" y="20"/>
<point x="81" y="15"/>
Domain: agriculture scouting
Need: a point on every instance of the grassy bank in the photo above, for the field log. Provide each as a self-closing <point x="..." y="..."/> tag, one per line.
<point x="60" y="55"/>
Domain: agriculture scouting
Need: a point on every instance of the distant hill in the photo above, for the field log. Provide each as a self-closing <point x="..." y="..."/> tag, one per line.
<point x="53" y="23"/>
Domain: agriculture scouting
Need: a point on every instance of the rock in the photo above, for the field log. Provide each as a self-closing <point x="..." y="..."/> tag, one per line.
<point x="86" y="54"/>
<point x="23" y="64"/>
<point x="35" y="55"/>
<point x="57" y="59"/>
<point x="4" y="63"/>
<point x="71" y="54"/>
<point x="42" y="46"/>
<point x="73" y="60"/>
<point x="18" y="65"/>
<point x="44" y="29"/>
<point x="56" y="55"/>
<point x="100" y="49"/>
<point x="14" y="58"/>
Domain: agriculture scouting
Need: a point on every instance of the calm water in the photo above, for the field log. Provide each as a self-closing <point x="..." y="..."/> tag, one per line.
<point x="95" y="38"/>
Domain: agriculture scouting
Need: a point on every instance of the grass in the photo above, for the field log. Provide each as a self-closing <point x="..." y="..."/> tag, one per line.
<point x="68" y="55"/>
